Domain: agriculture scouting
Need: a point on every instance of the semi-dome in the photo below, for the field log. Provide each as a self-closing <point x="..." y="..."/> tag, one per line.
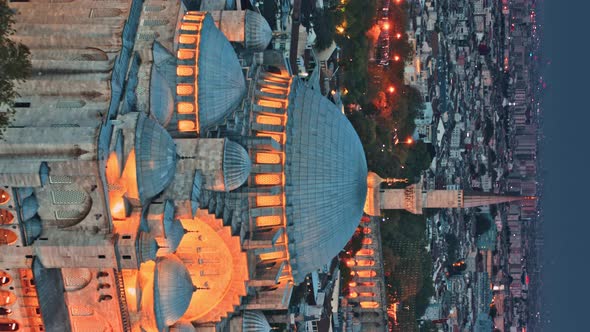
<point x="255" y="321"/>
<point x="258" y="33"/>
<point x="326" y="180"/>
<point x="161" y="98"/>
<point x="29" y="207"/>
<point x="162" y="84"/>
<point x="221" y="84"/>
<point x="155" y="157"/>
<point x="173" y="229"/>
<point x="25" y="192"/>
<point x="173" y="290"/>
<point x="33" y="229"/>
<point x="148" y="247"/>
<point x="236" y="165"/>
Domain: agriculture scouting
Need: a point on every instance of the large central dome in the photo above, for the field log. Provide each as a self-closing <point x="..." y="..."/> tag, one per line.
<point x="326" y="180"/>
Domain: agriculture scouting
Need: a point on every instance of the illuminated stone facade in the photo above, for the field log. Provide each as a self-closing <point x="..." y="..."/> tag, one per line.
<point x="156" y="177"/>
<point x="366" y="300"/>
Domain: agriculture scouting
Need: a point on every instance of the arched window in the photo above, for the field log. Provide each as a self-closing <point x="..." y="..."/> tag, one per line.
<point x="105" y="298"/>
<point x="4" y="278"/>
<point x="268" y="179"/>
<point x="104" y="286"/>
<point x="7" y="237"/>
<point x="6" y="298"/>
<point x="262" y="201"/>
<point x="102" y="274"/>
<point x="6" y="217"/>
<point x="268" y="158"/>
<point x="5" y="311"/>
<point x="4" y="197"/>
<point x="8" y="325"/>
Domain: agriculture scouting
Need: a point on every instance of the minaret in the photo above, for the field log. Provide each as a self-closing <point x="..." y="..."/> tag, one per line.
<point x="414" y="198"/>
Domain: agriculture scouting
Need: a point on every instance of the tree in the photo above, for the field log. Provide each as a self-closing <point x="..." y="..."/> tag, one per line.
<point x="324" y="27"/>
<point x="482" y="224"/>
<point x="15" y="64"/>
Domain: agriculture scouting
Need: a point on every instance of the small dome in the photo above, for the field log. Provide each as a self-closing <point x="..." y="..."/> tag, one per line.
<point x="255" y="321"/>
<point x="173" y="290"/>
<point x="182" y="327"/>
<point x="173" y="229"/>
<point x="221" y="84"/>
<point x="258" y="32"/>
<point x="33" y="229"/>
<point x="148" y="247"/>
<point x="236" y="165"/>
<point x="161" y="98"/>
<point x="29" y="207"/>
<point x="156" y="158"/>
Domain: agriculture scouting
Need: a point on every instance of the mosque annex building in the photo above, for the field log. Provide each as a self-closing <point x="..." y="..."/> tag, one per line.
<point x="164" y="171"/>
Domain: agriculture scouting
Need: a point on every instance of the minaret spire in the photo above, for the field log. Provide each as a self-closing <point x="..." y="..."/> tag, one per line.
<point x="482" y="199"/>
<point x="414" y="198"/>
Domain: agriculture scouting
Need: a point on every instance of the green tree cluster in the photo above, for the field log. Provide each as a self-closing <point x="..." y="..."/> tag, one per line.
<point x="14" y="62"/>
<point x="324" y="28"/>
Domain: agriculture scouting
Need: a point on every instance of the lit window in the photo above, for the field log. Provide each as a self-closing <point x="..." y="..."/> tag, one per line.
<point x="268" y="179"/>
<point x="6" y="217"/>
<point x="7" y="237"/>
<point x="184" y="71"/>
<point x="268" y="158"/>
<point x="186" y="125"/>
<point x="265" y="221"/>
<point x="186" y="108"/>
<point x="190" y="17"/>
<point x="273" y="91"/>
<point x="271" y="256"/>
<point x="189" y="27"/>
<point x="4" y="196"/>
<point x="187" y="39"/>
<point x="184" y="89"/>
<point x="365" y="252"/>
<point x="270" y="120"/>
<point x="268" y="200"/>
<point x="270" y="103"/>
<point x="369" y="304"/>
<point x="365" y="262"/>
<point x="366" y="274"/>
<point x="185" y="54"/>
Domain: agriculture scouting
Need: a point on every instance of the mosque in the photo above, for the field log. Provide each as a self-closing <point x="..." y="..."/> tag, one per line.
<point x="164" y="171"/>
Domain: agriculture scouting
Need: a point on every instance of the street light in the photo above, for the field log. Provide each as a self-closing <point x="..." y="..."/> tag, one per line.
<point x="391" y="89"/>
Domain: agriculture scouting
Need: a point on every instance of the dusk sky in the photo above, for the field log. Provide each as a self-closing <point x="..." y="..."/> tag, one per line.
<point x="566" y="161"/>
